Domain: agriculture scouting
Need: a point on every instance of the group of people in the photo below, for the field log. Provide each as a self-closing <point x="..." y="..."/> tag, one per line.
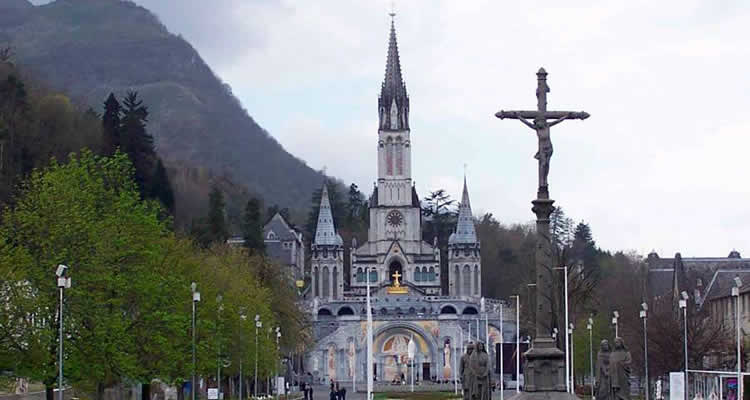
<point x="475" y="373"/>
<point x="337" y="393"/>
<point x="613" y="371"/>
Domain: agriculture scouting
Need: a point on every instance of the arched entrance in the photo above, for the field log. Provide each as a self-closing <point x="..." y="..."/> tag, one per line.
<point x="391" y="353"/>
<point x="394" y="268"/>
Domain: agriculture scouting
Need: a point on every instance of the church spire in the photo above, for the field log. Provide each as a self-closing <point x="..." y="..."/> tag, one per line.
<point x="393" y="104"/>
<point x="325" y="233"/>
<point x="465" y="230"/>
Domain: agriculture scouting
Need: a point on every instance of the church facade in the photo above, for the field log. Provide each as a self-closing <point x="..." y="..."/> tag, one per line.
<point x="403" y="272"/>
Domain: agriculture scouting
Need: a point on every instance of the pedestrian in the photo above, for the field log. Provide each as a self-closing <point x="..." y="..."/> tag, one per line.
<point x="303" y="388"/>
<point x="310" y="390"/>
<point x="342" y="393"/>
<point x="332" y="395"/>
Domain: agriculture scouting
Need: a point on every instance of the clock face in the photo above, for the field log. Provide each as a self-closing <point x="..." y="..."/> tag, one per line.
<point x="394" y="218"/>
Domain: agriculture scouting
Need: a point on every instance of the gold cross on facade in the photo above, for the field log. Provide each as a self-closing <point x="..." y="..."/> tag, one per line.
<point x="396" y="275"/>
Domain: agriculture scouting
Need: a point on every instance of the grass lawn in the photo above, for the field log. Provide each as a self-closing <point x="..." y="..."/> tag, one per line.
<point x="417" y="396"/>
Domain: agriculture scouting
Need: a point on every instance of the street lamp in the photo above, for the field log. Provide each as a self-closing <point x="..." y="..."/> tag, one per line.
<point x="518" y="343"/>
<point x="736" y="295"/>
<point x="258" y="324"/>
<point x="219" y="298"/>
<point x="243" y="317"/>
<point x="644" y="317"/>
<point x="683" y="306"/>
<point x="196" y="298"/>
<point x="63" y="282"/>
<point x="572" y="360"/>
<point x="590" y="327"/>
<point x="614" y="322"/>
<point x="568" y="374"/>
<point x="276" y="364"/>
<point x="502" y="360"/>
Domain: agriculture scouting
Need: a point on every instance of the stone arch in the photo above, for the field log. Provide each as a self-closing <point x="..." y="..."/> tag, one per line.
<point x="470" y="310"/>
<point x="324" y="312"/>
<point x="448" y="309"/>
<point x="345" y="310"/>
<point x="384" y="332"/>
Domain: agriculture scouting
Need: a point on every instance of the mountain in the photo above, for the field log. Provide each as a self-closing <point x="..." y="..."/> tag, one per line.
<point x="89" y="48"/>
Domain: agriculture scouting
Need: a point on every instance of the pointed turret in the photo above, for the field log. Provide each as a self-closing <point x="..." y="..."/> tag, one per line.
<point x="393" y="104"/>
<point x="325" y="234"/>
<point x="465" y="230"/>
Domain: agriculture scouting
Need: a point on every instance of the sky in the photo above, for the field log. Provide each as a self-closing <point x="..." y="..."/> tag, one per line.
<point x="660" y="165"/>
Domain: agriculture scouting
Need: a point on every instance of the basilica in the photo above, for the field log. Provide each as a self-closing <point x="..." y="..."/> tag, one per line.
<point x="403" y="273"/>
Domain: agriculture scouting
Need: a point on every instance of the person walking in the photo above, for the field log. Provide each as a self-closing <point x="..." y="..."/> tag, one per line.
<point x="303" y="389"/>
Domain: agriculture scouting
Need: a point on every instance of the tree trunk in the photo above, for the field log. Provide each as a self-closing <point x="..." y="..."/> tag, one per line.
<point x="146" y="391"/>
<point x="99" y="391"/>
<point x="180" y="391"/>
<point x="49" y="392"/>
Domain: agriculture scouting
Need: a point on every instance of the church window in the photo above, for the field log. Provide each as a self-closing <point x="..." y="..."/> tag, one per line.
<point x="394" y="115"/>
<point x="326" y="282"/>
<point x="373" y="276"/>
<point x="335" y="279"/>
<point x="399" y="157"/>
<point x="389" y="156"/>
<point x="467" y="252"/>
<point x="417" y="275"/>
<point x="360" y="275"/>
<point x="432" y="274"/>
<point x="325" y="253"/>
<point x="457" y="280"/>
<point x="476" y="280"/>
<point x="316" y="278"/>
<point x="467" y="281"/>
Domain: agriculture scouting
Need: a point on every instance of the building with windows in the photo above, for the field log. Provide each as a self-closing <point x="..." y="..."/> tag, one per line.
<point x="403" y="272"/>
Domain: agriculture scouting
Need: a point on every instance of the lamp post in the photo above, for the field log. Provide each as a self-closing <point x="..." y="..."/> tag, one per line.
<point x="502" y="360"/>
<point x="736" y="295"/>
<point x="219" y="298"/>
<point x="616" y="316"/>
<point x="590" y="327"/>
<point x="567" y="335"/>
<point x="243" y="317"/>
<point x="63" y="282"/>
<point x="644" y="317"/>
<point x="518" y="343"/>
<point x="268" y="337"/>
<point x="196" y="298"/>
<point x="258" y="324"/>
<point x="572" y="360"/>
<point x="683" y="306"/>
<point x="276" y="363"/>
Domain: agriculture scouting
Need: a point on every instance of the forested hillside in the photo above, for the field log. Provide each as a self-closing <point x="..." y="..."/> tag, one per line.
<point x="88" y="49"/>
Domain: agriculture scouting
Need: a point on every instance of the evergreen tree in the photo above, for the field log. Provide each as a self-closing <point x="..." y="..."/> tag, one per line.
<point x="161" y="189"/>
<point x="217" y="223"/>
<point x="271" y="211"/>
<point x="111" y="124"/>
<point x="136" y="141"/>
<point x="252" y="227"/>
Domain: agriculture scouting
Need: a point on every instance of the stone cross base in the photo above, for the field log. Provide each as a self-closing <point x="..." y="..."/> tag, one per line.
<point x="545" y="367"/>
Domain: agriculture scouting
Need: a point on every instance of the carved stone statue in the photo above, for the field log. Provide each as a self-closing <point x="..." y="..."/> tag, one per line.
<point x="447" y="371"/>
<point x="480" y="366"/>
<point x="352" y="353"/>
<point x="602" y="389"/>
<point x="467" y="377"/>
<point x="619" y="371"/>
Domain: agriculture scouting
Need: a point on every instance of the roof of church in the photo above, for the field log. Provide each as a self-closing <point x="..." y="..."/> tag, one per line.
<point x="465" y="230"/>
<point x="325" y="234"/>
<point x="280" y="227"/>
<point x="393" y="87"/>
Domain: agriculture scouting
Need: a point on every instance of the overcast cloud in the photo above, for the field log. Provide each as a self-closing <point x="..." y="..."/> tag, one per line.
<point x="661" y="164"/>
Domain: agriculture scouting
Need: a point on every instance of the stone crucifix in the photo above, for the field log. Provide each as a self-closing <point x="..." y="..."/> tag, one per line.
<point x="541" y="121"/>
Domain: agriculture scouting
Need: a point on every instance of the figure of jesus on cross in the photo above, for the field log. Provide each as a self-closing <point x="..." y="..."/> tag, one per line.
<point x="542" y="121"/>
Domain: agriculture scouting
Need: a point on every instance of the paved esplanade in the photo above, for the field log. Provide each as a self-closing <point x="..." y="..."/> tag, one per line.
<point x="322" y="393"/>
<point x="544" y="361"/>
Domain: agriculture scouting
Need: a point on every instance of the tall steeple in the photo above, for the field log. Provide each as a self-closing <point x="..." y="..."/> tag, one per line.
<point x="325" y="233"/>
<point x="465" y="230"/>
<point x="393" y="104"/>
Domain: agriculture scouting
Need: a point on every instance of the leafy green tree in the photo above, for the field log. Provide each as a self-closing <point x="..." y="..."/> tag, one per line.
<point x="252" y="227"/>
<point x="86" y="214"/>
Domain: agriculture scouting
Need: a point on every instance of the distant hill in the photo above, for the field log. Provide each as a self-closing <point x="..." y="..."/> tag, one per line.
<point x="88" y="48"/>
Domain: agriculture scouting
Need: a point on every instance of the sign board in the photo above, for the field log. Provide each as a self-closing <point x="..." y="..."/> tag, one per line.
<point x="676" y="386"/>
<point x="213" y="394"/>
